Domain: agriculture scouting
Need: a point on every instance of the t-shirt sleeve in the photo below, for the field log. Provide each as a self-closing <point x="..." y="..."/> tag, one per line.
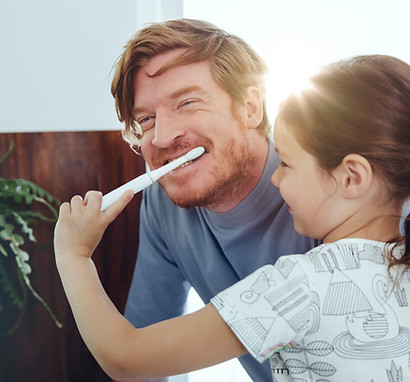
<point x="270" y="309"/>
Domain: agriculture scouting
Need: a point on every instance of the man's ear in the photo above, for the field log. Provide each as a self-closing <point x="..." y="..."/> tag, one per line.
<point x="356" y="175"/>
<point x="253" y="104"/>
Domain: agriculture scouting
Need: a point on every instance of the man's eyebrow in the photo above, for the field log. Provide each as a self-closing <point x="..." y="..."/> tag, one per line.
<point x="136" y="110"/>
<point x="186" y="90"/>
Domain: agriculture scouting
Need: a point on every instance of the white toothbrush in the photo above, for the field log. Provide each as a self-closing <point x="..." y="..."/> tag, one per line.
<point x="145" y="180"/>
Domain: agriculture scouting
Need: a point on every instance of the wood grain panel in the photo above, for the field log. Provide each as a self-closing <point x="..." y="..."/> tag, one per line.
<point x="68" y="163"/>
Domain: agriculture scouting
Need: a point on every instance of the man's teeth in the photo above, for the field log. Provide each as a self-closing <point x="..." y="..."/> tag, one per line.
<point x="183" y="164"/>
<point x="186" y="164"/>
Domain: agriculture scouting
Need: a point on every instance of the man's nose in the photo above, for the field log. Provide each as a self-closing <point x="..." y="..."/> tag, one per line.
<point x="168" y="128"/>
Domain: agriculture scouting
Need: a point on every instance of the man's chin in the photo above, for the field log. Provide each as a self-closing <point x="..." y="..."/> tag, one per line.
<point x="188" y="199"/>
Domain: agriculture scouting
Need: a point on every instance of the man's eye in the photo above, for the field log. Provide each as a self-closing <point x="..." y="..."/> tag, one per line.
<point x="147" y="122"/>
<point x="187" y="102"/>
<point x="141" y="121"/>
<point x="283" y="164"/>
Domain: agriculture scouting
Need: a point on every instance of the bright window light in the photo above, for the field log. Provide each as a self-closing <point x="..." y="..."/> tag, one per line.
<point x="297" y="37"/>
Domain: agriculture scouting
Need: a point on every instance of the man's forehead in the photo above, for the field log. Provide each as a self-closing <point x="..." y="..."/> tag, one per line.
<point x="155" y="63"/>
<point x="196" y="76"/>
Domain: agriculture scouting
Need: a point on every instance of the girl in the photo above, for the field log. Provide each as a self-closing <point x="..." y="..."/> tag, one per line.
<point x="338" y="313"/>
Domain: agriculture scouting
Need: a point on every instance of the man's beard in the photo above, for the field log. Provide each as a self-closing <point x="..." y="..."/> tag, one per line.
<point x="225" y="188"/>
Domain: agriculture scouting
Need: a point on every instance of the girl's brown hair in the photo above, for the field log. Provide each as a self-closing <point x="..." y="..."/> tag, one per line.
<point x="359" y="105"/>
<point x="234" y="64"/>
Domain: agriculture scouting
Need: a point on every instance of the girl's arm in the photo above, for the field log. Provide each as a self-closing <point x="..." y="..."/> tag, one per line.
<point x="170" y="347"/>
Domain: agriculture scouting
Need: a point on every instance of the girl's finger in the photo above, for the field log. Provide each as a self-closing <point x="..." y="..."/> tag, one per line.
<point x="114" y="210"/>
<point x="76" y="202"/>
<point x="93" y="199"/>
<point x="65" y="208"/>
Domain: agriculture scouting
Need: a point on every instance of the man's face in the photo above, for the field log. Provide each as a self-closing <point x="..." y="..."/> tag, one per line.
<point x="184" y="108"/>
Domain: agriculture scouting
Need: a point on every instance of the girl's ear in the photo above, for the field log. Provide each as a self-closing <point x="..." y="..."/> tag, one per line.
<point x="356" y="175"/>
<point x="254" y="107"/>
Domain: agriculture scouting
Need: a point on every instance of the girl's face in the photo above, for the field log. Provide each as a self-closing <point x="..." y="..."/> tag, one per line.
<point x="308" y="189"/>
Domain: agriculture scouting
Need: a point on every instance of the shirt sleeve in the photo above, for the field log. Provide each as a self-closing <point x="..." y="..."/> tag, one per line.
<point x="158" y="289"/>
<point x="270" y="309"/>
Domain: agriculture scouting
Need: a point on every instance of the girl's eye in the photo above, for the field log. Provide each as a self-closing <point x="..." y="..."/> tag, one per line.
<point x="283" y="164"/>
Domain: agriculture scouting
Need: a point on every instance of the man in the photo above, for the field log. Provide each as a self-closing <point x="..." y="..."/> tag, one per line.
<point x="179" y="85"/>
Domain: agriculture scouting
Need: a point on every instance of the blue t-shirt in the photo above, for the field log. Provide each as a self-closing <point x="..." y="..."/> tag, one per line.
<point x="179" y="248"/>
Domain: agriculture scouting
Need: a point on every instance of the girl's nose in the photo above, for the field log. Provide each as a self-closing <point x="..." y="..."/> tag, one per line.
<point x="275" y="179"/>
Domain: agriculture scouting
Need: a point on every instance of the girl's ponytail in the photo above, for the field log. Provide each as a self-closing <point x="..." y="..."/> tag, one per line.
<point x="407" y="236"/>
<point x="404" y="259"/>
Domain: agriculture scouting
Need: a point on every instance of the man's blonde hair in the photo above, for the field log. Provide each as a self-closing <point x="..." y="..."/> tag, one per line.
<point x="234" y="64"/>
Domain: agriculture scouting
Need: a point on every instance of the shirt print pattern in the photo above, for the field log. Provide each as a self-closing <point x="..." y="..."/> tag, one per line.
<point x="333" y="314"/>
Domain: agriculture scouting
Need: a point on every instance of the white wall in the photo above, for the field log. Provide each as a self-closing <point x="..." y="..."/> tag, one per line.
<point x="56" y="57"/>
<point x="297" y="36"/>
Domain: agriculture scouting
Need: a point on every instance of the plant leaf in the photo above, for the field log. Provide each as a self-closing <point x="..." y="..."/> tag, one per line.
<point x="10" y="289"/>
<point x="3" y="250"/>
<point x="15" y="225"/>
<point x="7" y="154"/>
<point x="24" y="226"/>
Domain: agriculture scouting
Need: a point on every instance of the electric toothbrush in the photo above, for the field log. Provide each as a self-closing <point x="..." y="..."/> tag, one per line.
<point x="145" y="180"/>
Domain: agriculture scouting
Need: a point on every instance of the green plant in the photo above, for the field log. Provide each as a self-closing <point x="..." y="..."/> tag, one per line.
<point x="16" y="220"/>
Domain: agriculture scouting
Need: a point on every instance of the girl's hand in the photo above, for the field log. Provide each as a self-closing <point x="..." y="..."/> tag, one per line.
<point x="81" y="223"/>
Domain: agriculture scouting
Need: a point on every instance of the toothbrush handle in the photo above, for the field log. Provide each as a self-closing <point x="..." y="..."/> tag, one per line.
<point x="136" y="185"/>
<point x="147" y="179"/>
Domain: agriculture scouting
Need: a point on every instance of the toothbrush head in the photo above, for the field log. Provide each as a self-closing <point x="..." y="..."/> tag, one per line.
<point x="194" y="153"/>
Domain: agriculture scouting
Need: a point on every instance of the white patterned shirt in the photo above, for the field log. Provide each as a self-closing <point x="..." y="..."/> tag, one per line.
<point x="332" y="314"/>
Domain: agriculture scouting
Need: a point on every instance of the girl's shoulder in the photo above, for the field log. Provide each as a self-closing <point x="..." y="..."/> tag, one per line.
<point x="343" y="255"/>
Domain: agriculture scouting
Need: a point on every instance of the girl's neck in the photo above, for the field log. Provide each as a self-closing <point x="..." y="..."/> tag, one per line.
<point x="381" y="228"/>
